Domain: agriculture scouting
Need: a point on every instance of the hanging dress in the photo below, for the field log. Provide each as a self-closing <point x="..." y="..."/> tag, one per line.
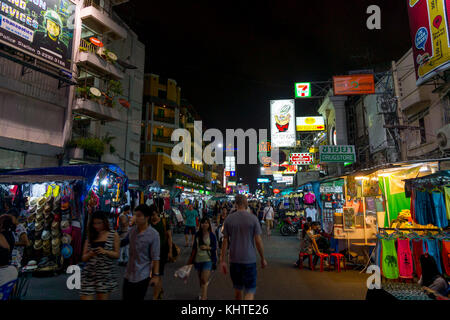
<point x="417" y="245"/>
<point x="389" y="259"/>
<point x="440" y="213"/>
<point x="405" y="262"/>
<point x="432" y="247"/>
<point x="447" y="200"/>
<point x="446" y="256"/>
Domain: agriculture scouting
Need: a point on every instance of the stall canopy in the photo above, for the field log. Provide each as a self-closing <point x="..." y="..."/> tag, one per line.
<point x="85" y="172"/>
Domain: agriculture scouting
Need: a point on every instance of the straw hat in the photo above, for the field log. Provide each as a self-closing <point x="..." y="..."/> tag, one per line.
<point x="33" y="201"/>
<point x="56" y="242"/>
<point x="41" y="201"/>
<point x="66" y="239"/>
<point x="65" y="224"/>
<point x="55" y="233"/>
<point x="48" y="207"/>
<point x="55" y="225"/>
<point x="46" y="244"/>
<point x="39" y="226"/>
<point x="38" y="245"/>
<point x="46" y="235"/>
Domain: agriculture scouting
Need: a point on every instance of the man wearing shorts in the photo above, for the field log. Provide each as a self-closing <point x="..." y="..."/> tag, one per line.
<point x="244" y="230"/>
<point x="268" y="216"/>
<point x="190" y="225"/>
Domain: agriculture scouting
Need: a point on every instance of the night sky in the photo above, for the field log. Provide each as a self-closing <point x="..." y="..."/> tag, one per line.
<point x="231" y="58"/>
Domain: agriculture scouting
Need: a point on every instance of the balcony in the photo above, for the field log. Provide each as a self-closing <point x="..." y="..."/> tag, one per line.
<point x="162" y="139"/>
<point x="95" y="110"/>
<point x="99" y="19"/>
<point x="89" y="58"/>
<point x="164" y="119"/>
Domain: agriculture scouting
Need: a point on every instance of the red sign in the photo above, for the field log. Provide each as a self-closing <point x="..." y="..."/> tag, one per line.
<point x="96" y="42"/>
<point x="227" y="173"/>
<point x="276" y="191"/>
<point x="301" y="158"/>
<point x="355" y="84"/>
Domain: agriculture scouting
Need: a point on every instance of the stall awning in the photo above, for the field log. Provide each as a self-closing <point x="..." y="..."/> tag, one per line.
<point x="18" y="179"/>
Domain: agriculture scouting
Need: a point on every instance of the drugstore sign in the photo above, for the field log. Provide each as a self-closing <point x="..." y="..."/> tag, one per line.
<point x="337" y="154"/>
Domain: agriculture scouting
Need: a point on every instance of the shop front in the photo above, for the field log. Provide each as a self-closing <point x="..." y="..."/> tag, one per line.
<point x="55" y="204"/>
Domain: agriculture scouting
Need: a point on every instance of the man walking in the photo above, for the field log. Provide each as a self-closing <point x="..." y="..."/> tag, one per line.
<point x="268" y="216"/>
<point x="190" y="225"/>
<point x="143" y="261"/>
<point x="244" y="231"/>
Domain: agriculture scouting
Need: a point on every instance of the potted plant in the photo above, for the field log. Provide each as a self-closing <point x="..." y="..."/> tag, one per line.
<point x="114" y="89"/>
<point x="75" y="152"/>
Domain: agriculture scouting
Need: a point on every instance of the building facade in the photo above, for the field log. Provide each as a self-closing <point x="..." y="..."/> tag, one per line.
<point x="163" y="112"/>
<point x="109" y="63"/>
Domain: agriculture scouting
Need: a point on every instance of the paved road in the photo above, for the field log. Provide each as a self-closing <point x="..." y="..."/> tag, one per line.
<point x="280" y="281"/>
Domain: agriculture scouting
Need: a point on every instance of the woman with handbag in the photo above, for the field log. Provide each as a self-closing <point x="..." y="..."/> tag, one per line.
<point x="204" y="255"/>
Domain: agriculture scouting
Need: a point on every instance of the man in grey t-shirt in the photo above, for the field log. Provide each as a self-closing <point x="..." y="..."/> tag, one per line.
<point x="244" y="231"/>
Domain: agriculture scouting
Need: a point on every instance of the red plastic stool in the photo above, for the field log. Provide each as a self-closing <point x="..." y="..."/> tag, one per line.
<point x="322" y="257"/>
<point x="337" y="260"/>
<point x="301" y="256"/>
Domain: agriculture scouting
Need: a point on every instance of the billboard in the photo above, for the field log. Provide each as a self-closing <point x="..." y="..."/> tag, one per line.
<point x="303" y="90"/>
<point x="429" y="27"/>
<point x="301" y="158"/>
<point x="355" y="84"/>
<point x="40" y="28"/>
<point x="310" y="124"/>
<point x="282" y="123"/>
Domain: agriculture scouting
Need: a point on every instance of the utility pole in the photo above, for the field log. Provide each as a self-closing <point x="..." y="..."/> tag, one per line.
<point x="403" y="146"/>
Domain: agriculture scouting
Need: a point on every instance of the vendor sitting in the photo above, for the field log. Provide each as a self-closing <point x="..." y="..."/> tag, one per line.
<point x="431" y="278"/>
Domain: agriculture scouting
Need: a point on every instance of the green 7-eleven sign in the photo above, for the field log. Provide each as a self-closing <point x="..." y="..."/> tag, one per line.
<point x="303" y="89"/>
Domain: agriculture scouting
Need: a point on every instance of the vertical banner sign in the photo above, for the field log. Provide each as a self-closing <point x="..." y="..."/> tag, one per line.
<point x="429" y="27"/>
<point x="282" y="123"/>
<point x="40" y="28"/>
<point x="303" y="90"/>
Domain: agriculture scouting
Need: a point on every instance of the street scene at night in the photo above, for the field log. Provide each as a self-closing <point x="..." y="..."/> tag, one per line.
<point x="198" y="150"/>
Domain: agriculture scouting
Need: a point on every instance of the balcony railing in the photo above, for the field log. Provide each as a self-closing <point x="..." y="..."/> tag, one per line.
<point x="164" y="119"/>
<point x="162" y="139"/>
<point x="87" y="46"/>
<point x="91" y="3"/>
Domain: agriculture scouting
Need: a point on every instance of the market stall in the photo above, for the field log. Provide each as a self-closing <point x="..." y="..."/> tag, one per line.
<point x="56" y="203"/>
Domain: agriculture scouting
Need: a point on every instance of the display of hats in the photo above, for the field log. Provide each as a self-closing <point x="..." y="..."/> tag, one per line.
<point x="32" y="209"/>
<point x="46" y="244"/>
<point x="33" y="201"/>
<point x="47" y="208"/>
<point x="40" y="209"/>
<point x="66" y="238"/>
<point x="31" y="217"/>
<point x="57" y="201"/>
<point x="49" y="199"/>
<point x="46" y="235"/>
<point x="66" y="251"/>
<point x="38" y="245"/>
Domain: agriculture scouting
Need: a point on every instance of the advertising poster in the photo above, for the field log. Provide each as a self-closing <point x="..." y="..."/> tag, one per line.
<point x="41" y="28"/>
<point x="282" y="123"/>
<point x="310" y="124"/>
<point x="356" y="84"/>
<point x="429" y="26"/>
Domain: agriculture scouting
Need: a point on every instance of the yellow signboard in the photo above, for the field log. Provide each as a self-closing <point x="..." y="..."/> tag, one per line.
<point x="310" y="124"/>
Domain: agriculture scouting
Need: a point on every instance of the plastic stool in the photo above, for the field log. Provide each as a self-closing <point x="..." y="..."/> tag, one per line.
<point x="301" y="256"/>
<point x="322" y="257"/>
<point x="337" y="260"/>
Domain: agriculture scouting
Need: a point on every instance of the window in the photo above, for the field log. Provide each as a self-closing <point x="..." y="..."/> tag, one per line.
<point x="161" y="112"/>
<point x="423" y="135"/>
<point x="162" y="94"/>
<point x="159" y="132"/>
<point x="161" y="150"/>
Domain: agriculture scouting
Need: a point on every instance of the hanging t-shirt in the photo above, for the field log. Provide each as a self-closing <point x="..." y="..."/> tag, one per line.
<point x="418" y="251"/>
<point x="439" y="209"/>
<point x="447" y="200"/>
<point x="389" y="259"/>
<point x="405" y="262"/>
<point x="166" y="203"/>
<point x="311" y="212"/>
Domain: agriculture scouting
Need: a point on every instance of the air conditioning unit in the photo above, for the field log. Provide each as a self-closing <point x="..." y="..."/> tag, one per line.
<point x="443" y="137"/>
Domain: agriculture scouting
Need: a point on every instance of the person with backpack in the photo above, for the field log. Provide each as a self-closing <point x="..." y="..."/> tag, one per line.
<point x="204" y="255"/>
<point x="165" y="236"/>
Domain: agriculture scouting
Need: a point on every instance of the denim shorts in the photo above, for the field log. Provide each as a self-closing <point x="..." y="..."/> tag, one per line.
<point x="203" y="266"/>
<point x="243" y="276"/>
<point x="189" y="230"/>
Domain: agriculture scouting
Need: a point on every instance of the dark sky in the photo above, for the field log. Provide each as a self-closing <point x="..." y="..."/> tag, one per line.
<point x="231" y="58"/>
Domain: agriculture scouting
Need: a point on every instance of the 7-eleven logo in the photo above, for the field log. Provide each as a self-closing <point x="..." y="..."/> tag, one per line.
<point x="303" y="90"/>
